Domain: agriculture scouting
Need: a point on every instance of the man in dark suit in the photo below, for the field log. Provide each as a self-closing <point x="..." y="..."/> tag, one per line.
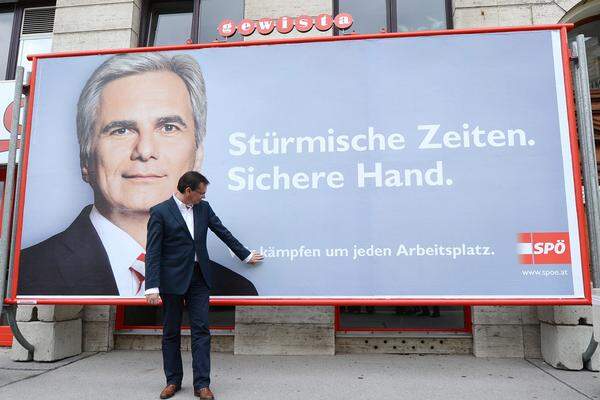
<point x="141" y="123"/>
<point x="178" y="270"/>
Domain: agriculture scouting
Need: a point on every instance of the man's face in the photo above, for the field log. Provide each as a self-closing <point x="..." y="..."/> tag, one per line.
<point x="144" y="141"/>
<point x="195" y="196"/>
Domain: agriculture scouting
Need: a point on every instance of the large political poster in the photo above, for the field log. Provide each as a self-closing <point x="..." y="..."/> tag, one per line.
<point x="434" y="167"/>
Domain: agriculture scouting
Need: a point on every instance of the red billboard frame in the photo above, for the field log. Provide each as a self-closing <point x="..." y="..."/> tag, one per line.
<point x="290" y="301"/>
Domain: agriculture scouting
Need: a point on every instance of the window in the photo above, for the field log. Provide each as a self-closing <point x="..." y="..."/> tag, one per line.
<point x="374" y="16"/>
<point x="25" y="28"/>
<point x="370" y="16"/>
<point x="421" y="15"/>
<point x="403" y="318"/>
<point x="212" y="12"/>
<point x="36" y="34"/>
<point x="170" y="23"/>
<point x="6" y="25"/>
<point x="175" y="22"/>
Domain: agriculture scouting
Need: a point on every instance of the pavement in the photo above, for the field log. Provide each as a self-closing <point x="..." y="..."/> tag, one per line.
<point x="138" y="375"/>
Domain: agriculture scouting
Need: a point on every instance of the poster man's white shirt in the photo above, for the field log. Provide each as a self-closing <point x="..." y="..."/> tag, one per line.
<point x="122" y="251"/>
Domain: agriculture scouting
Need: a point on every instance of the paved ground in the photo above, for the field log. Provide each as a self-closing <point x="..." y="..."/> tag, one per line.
<point x="138" y="375"/>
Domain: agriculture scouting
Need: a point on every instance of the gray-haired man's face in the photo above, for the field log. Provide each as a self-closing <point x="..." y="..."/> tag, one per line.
<point x="144" y="140"/>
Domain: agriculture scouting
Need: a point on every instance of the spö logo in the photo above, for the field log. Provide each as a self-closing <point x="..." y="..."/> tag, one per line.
<point x="544" y="248"/>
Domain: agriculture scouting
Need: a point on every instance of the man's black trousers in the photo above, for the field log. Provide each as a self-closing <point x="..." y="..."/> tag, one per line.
<point x="196" y="300"/>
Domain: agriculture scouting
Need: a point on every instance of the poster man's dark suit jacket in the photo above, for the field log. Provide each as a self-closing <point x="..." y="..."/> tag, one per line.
<point x="171" y="250"/>
<point x="74" y="262"/>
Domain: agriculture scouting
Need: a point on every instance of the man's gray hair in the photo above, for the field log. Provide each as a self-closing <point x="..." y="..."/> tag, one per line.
<point x="123" y="65"/>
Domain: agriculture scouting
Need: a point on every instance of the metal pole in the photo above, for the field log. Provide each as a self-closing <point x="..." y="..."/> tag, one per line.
<point x="5" y="269"/>
<point x="585" y="126"/>
<point x="11" y="317"/>
<point x="9" y="185"/>
<point x="17" y="190"/>
<point x="588" y="154"/>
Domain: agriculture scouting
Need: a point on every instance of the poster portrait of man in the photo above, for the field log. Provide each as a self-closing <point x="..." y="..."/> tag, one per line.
<point x="141" y="123"/>
<point x="316" y="161"/>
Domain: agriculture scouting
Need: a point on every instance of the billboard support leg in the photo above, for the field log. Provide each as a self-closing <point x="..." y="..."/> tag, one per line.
<point x="588" y="154"/>
<point x="11" y="316"/>
<point x="9" y="188"/>
<point x="17" y="191"/>
<point x="585" y="127"/>
<point x="591" y="349"/>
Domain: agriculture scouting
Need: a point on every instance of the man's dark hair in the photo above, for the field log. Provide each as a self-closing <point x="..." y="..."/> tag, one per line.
<point x="191" y="179"/>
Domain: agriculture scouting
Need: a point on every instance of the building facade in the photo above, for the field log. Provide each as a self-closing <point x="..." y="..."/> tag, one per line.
<point x="558" y="334"/>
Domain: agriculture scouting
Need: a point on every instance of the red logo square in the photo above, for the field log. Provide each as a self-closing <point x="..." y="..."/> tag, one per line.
<point x="544" y="248"/>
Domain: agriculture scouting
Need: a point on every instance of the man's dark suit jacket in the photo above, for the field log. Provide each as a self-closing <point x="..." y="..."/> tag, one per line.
<point x="74" y="262"/>
<point x="171" y="250"/>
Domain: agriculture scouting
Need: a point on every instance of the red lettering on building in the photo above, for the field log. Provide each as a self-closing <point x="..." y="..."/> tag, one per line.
<point x="246" y="27"/>
<point x="265" y="26"/>
<point x="226" y="28"/>
<point x="302" y="23"/>
<point x="324" y="22"/>
<point x="343" y="21"/>
<point x="285" y="25"/>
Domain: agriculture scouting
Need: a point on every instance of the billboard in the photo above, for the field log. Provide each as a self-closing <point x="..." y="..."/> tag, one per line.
<point x="396" y="167"/>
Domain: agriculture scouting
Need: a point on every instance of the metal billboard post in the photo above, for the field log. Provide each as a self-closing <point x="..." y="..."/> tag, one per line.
<point x="588" y="153"/>
<point x="9" y="189"/>
<point x="15" y="217"/>
<point x="585" y="127"/>
<point x="10" y="180"/>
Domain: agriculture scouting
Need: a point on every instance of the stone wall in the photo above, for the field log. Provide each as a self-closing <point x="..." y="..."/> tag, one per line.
<point x="506" y="332"/>
<point x="284" y="330"/>
<point x="54" y="331"/>
<point x="96" y="24"/>
<point x="219" y="342"/>
<point x="485" y="13"/>
<point x="565" y="333"/>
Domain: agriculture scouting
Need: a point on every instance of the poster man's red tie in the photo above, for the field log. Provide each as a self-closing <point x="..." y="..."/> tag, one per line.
<point x="138" y="270"/>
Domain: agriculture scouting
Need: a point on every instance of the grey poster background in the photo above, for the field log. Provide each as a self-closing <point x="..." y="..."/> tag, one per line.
<point x="494" y="81"/>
